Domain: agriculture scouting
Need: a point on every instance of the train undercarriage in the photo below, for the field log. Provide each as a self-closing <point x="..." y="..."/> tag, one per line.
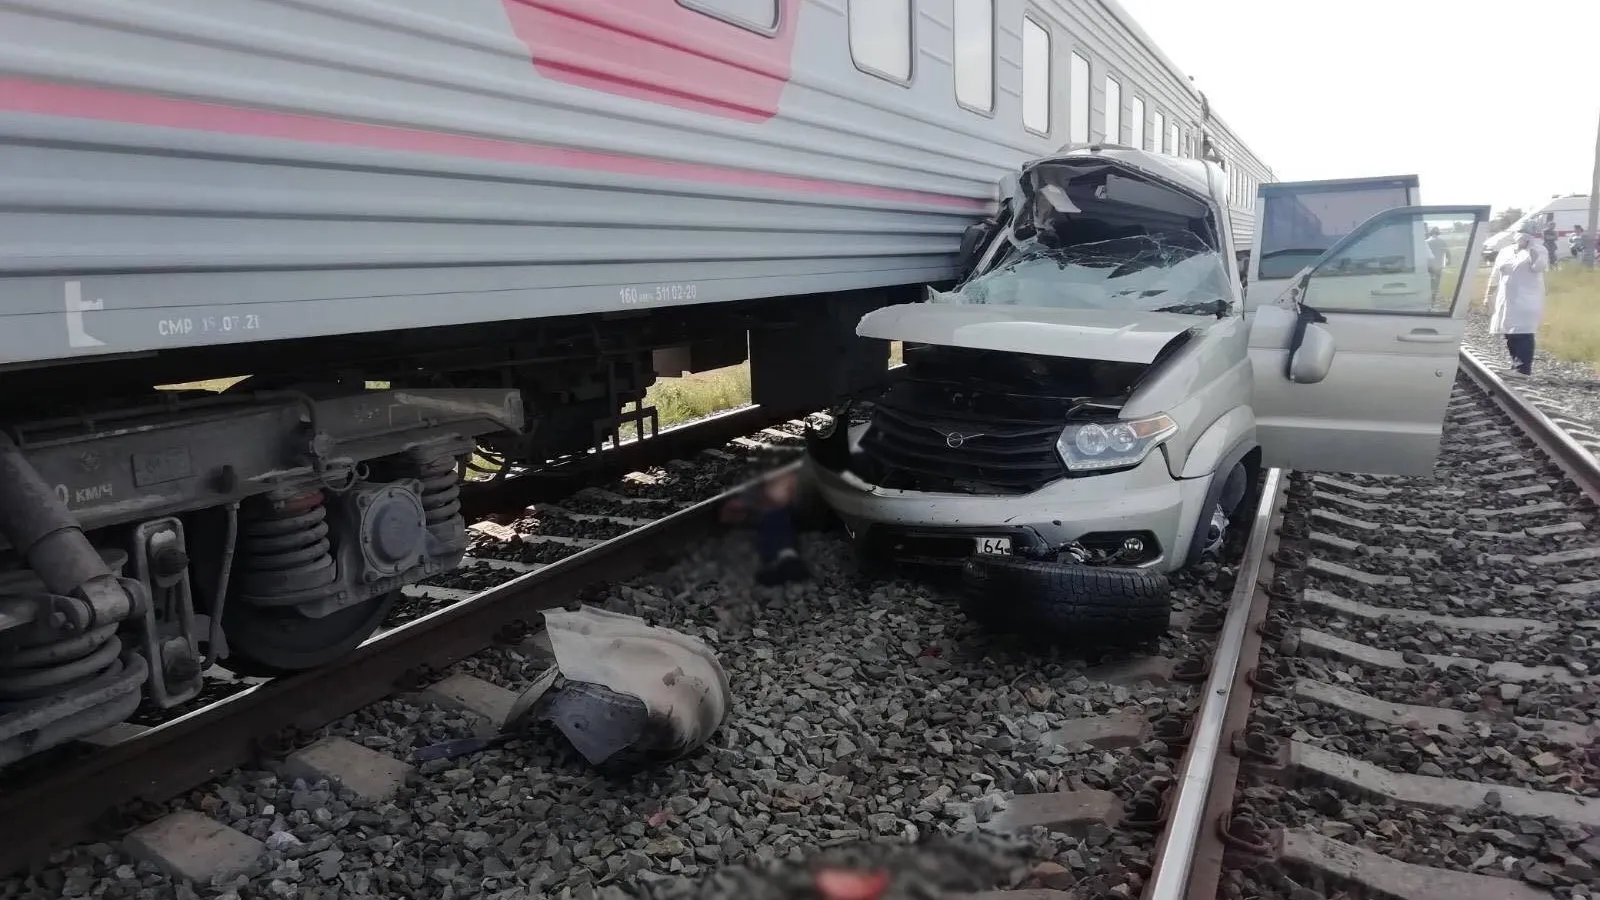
<point x="148" y="533"/>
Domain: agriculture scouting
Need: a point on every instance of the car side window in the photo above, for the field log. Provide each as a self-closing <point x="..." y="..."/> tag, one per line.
<point x="1299" y="225"/>
<point x="1406" y="263"/>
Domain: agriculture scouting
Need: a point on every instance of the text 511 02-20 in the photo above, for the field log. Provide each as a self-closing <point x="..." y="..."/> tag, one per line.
<point x="659" y="293"/>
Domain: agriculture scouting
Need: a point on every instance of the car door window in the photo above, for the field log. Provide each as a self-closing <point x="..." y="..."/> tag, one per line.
<point x="1299" y="223"/>
<point x="1409" y="263"/>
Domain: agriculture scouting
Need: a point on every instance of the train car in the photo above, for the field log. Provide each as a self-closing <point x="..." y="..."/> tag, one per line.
<point x="513" y="215"/>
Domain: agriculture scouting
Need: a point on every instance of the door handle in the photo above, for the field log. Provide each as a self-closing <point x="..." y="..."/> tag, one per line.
<point x="1425" y="336"/>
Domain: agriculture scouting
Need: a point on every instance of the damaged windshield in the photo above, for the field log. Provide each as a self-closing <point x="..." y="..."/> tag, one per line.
<point x="1174" y="273"/>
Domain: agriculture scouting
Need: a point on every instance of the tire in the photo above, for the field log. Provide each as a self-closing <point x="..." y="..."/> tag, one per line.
<point x="1066" y="603"/>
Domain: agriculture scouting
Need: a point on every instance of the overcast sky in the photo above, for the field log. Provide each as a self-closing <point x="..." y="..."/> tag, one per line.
<point x="1497" y="105"/>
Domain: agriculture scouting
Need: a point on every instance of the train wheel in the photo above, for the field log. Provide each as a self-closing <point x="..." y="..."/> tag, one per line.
<point x="281" y="641"/>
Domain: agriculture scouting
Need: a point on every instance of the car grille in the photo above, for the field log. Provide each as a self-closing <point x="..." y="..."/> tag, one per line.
<point x="965" y="421"/>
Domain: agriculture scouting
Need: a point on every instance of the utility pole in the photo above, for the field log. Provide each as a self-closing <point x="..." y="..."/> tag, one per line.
<point x="1594" y="206"/>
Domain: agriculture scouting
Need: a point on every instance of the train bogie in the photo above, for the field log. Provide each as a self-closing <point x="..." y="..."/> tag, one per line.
<point x="269" y="529"/>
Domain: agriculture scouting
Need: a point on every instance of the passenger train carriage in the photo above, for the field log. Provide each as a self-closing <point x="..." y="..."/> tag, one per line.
<point x="517" y="213"/>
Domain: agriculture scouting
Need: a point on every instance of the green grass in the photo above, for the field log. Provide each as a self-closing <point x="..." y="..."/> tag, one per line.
<point x="695" y="396"/>
<point x="698" y="395"/>
<point x="677" y="399"/>
<point x="1571" y="327"/>
<point x="215" y="385"/>
<point x="218" y="385"/>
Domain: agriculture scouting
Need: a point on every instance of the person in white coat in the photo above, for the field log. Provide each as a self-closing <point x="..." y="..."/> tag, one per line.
<point x="1516" y="296"/>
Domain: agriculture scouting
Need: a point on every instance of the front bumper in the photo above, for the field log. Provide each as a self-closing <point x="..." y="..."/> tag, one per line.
<point x="933" y="527"/>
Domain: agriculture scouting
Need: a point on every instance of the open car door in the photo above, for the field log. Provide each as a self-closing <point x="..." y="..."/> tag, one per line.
<point x="1354" y="363"/>
<point x="1297" y="221"/>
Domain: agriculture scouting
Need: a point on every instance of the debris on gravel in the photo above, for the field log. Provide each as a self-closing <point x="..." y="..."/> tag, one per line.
<point x="874" y="728"/>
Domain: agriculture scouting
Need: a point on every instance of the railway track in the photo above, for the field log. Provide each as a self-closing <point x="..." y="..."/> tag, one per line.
<point x="543" y="558"/>
<point x="1373" y="632"/>
<point x="1414" y="713"/>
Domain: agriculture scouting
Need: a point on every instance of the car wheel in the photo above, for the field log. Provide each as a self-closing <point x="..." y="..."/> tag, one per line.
<point x="1066" y="602"/>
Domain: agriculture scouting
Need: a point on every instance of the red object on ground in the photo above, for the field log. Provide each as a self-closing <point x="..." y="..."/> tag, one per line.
<point x="845" y="884"/>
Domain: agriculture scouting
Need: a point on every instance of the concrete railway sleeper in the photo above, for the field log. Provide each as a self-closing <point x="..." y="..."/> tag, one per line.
<point x="1081" y="736"/>
<point x="1424" y="712"/>
<point x="280" y="562"/>
<point x="1280" y="740"/>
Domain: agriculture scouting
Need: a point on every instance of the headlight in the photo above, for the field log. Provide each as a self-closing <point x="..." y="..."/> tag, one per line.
<point x="1092" y="446"/>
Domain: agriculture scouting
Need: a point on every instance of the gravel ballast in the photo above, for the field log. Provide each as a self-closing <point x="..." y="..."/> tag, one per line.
<point x="1436" y="551"/>
<point x="871" y="721"/>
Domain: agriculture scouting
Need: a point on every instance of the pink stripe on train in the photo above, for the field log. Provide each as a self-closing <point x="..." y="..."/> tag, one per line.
<point x="660" y="51"/>
<point x="71" y="101"/>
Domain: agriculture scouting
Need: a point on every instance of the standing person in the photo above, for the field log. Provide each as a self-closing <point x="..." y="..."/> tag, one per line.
<point x="1438" y="257"/>
<point x="1550" y="237"/>
<point x="1516" y="296"/>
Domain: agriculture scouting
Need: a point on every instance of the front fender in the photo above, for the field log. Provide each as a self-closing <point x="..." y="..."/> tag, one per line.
<point x="1219" y="441"/>
<point x="1223" y="445"/>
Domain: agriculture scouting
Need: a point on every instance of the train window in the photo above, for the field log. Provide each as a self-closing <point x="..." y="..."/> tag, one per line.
<point x="1159" y="132"/>
<point x="755" y="15"/>
<point x="880" y="38"/>
<point x="1078" y="85"/>
<point x="974" y="54"/>
<point x="1113" y="111"/>
<point x="1136" y="139"/>
<point x="1035" y="76"/>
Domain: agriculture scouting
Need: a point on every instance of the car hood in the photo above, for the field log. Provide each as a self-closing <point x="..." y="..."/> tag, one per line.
<point x="1110" y="335"/>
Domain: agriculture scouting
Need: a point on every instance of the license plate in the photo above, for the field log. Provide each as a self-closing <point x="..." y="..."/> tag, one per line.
<point x="994" y="546"/>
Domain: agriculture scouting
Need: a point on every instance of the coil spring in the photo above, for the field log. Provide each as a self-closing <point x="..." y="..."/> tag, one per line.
<point x="441" y="494"/>
<point x="284" y="554"/>
<point x="45" y="669"/>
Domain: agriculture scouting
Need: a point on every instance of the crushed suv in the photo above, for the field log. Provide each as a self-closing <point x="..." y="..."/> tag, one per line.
<point x="1086" y="410"/>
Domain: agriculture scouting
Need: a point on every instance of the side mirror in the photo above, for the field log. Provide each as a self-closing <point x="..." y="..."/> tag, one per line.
<point x="973" y="241"/>
<point x="1312" y="360"/>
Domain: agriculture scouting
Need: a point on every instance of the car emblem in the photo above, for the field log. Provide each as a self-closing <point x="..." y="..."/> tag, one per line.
<point x="955" y="439"/>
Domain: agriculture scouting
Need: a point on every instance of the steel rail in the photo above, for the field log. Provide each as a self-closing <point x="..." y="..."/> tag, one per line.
<point x="1580" y="465"/>
<point x="1183" y="836"/>
<point x="479" y="499"/>
<point x="483" y="498"/>
<point x="1198" y="788"/>
<point x="67" y="805"/>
